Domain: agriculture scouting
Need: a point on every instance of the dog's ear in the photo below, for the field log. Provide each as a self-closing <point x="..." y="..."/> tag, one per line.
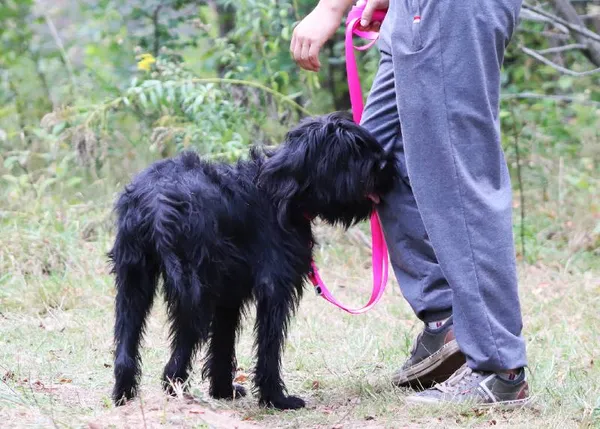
<point x="283" y="174"/>
<point x="278" y="177"/>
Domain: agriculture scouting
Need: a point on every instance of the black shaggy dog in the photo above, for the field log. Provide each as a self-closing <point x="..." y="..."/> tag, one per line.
<point x="222" y="236"/>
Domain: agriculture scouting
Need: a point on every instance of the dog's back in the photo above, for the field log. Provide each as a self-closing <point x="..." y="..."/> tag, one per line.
<point x="188" y="221"/>
<point x="180" y="214"/>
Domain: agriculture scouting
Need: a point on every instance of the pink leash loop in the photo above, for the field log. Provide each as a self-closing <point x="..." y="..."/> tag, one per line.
<point x="379" y="251"/>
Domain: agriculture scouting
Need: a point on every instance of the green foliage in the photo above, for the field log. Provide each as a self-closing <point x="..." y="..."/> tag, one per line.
<point x="257" y="48"/>
<point x="82" y="104"/>
<point x="16" y="33"/>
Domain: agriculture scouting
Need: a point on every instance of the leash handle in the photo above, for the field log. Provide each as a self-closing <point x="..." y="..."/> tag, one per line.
<point x="352" y="28"/>
<point x="379" y="257"/>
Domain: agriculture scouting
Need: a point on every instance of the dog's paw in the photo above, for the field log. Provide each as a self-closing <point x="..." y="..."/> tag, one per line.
<point x="123" y="392"/>
<point x="231" y="392"/>
<point x="126" y="381"/>
<point x="121" y="398"/>
<point x="119" y="402"/>
<point x="284" y="402"/>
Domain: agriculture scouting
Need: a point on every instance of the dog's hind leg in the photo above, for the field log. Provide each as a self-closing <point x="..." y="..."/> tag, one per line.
<point x="272" y="318"/>
<point x="221" y="363"/>
<point x="190" y="325"/>
<point x="136" y="286"/>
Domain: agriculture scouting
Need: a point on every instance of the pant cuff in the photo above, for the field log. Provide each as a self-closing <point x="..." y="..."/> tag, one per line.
<point x="434" y="316"/>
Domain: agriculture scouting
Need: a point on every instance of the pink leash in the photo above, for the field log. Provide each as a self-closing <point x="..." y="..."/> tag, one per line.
<point x="379" y="248"/>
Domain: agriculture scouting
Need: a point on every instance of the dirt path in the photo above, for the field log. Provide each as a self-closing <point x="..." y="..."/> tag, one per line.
<point x="159" y="411"/>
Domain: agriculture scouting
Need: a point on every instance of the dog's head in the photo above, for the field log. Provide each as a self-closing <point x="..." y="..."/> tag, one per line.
<point x="328" y="167"/>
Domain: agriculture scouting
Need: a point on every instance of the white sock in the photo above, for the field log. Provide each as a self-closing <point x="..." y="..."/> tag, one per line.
<point x="510" y="375"/>
<point x="437" y="323"/>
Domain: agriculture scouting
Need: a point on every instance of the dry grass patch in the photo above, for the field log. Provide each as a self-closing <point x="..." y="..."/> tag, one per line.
<point x="56" y="343"/>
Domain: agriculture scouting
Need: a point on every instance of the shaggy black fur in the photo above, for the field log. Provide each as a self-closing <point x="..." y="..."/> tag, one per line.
<point x="223" y="236"/>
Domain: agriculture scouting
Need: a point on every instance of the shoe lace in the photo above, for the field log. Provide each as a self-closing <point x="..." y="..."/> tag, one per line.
<point x="462" y="378"/>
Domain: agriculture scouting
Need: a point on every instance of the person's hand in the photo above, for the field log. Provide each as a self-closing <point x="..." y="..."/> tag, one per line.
<point x="366" y="20"/>
<point x="318" y="27"/>
<point x="311" y="34"/>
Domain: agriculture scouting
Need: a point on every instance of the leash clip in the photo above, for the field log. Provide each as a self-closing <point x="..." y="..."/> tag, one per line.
<point x="313" y="279"/>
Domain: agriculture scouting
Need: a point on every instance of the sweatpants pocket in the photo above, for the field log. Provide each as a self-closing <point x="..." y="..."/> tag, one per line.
<point x="417" y="40"/>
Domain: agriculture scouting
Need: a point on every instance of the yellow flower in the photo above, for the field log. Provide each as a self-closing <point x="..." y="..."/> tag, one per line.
<point x="145" y="62"/>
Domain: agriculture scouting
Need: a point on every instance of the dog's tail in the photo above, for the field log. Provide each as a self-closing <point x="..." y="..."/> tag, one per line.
<point x="165" y="231"/>
<point x="136" y="275"/>
<point x="182" y="284"/>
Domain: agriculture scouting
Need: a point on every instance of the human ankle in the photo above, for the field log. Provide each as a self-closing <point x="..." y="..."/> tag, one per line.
<point x="511" y="375"/>
<point x="436" y="324"/>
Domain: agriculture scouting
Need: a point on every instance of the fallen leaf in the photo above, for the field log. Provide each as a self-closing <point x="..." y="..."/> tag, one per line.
<point x="65" y="380"/>
<point x="316" y="384"/>
<point x="9" y="375"/>
<point x="241" y="378"/>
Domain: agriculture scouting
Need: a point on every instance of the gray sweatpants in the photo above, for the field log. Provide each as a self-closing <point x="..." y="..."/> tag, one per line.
<point x="448" y="222"/>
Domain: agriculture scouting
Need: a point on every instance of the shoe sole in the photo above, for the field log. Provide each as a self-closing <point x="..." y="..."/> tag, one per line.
<point x="502" y="405"/>
<point x="433" y="369"/>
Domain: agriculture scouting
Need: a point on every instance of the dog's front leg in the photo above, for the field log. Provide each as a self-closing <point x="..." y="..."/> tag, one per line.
<point x="274" y="310"/>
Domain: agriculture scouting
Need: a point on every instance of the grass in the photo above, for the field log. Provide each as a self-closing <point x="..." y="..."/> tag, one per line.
<point x="56" y="314"/>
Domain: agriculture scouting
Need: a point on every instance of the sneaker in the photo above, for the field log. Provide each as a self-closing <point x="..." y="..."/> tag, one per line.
<point x="480" y="389"/>
<point x="435" y="357"/>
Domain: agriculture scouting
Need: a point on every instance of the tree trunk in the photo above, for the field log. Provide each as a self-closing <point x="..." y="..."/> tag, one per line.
<point x="335" y="73"/>
<point x="43" y="82"/>
<point x="565" y="10"/>
<point x="20" y="110"/>
<point x="226" y="18"/>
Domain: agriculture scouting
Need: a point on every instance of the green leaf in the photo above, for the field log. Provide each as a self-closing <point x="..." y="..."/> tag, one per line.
<point x="73" y="181"/>
<point x="565" y="82"/>
<point x="9" y="178"/>
<point x="143" y="100"/>
<point x="58" y="128"/>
